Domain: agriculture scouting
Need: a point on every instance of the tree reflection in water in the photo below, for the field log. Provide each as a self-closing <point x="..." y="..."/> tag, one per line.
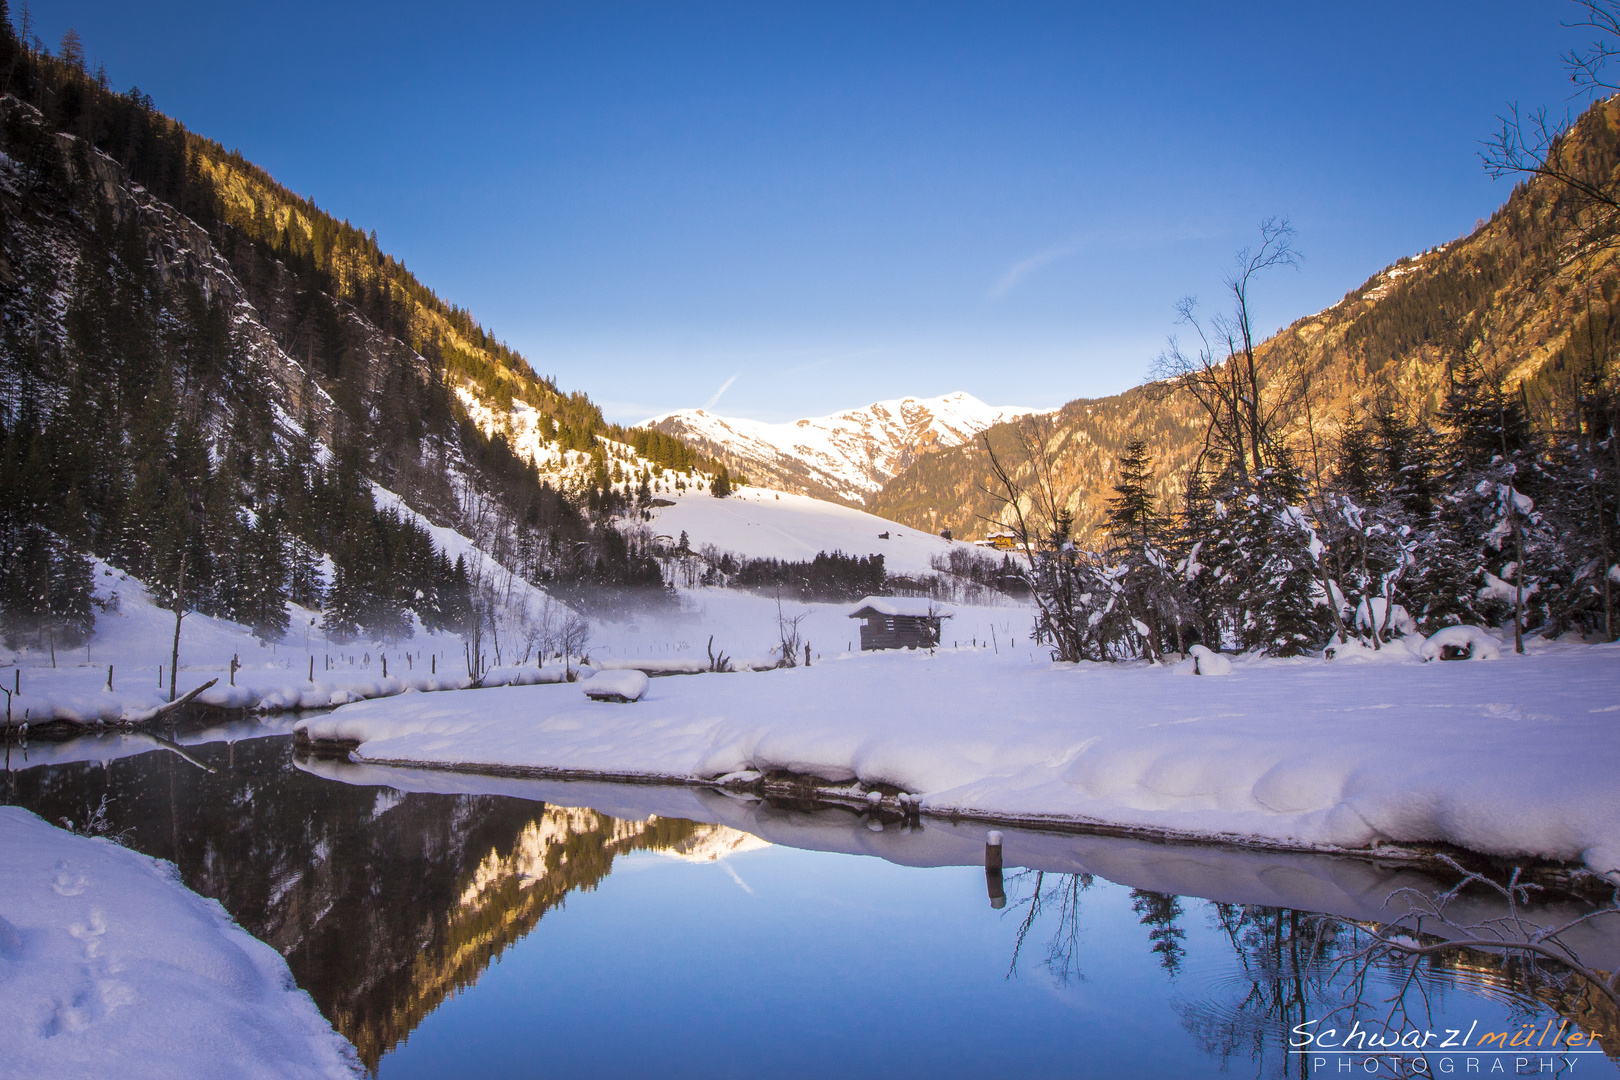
<point x="1285" y="970"/>
<point x="1060" y="898"/>
<point x="1288" y="967"/>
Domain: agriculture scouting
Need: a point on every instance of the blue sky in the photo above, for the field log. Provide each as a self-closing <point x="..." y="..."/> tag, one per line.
<point x="832" y="203"/>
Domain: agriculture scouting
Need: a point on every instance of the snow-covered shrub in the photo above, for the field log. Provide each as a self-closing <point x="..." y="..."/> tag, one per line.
<point x="1461" y="643"/>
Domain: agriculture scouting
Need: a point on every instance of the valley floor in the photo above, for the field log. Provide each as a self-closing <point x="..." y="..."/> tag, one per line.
<point x="1512" y="757"/>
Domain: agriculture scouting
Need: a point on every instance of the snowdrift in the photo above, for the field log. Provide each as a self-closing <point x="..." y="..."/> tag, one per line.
<point x="109" y="967"/>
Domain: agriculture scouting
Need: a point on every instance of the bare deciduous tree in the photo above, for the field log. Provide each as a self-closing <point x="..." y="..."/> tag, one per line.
<point x="1243" y="403"/>
<point x="1537" y="144"/>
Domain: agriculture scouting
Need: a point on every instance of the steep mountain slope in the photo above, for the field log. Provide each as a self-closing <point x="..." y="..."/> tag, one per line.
<point x="846" y="457"/>
<point x="1529" y="307"/>
<point x="202" y="375"/>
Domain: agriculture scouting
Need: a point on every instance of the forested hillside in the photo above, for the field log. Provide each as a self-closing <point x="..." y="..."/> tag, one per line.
<point x="202" y="375"/>
<point x="1512" y="293"/>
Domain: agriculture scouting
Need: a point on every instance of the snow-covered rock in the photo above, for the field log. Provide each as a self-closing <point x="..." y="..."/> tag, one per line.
<point x="109" y="967"/>
<point x="1208" y="662"/>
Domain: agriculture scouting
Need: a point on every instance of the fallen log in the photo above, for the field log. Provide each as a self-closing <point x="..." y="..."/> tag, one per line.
<point x="163" y="710"/>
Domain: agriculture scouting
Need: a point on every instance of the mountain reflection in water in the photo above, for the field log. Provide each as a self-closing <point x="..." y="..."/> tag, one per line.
<point x="383" y="903"/>
<point x="388" y="902"/>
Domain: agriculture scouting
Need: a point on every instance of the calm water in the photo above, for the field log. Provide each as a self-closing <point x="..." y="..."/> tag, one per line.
<point x="460" y="926"/>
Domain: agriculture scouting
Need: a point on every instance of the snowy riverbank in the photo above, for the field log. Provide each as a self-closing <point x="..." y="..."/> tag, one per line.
<point x="1511" y="757"/>
<point x="109" y="967"/>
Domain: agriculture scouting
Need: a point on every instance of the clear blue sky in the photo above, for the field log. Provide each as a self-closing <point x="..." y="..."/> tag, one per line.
<point x="836" y="203"/>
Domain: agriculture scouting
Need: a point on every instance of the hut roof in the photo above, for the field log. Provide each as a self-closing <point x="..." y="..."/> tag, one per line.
<point x="910" y="606"/>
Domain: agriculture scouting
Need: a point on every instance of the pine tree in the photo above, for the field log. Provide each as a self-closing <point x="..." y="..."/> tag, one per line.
<point x="722" y="484"/>
<point x="1149" y="587"/>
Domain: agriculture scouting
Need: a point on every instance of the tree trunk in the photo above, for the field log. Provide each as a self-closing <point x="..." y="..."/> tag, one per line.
<point x="179" y="613"/>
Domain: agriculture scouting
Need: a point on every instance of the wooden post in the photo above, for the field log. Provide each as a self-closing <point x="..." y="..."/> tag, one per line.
<point x="992" y="870"/>
<point x="160" y="676"/>
<point x="234" y="665"/>
<point x="385" y="665"/>
<point x="312" y="671"/>
<point x="435" y="663"/>
<point x="109" y="678"/>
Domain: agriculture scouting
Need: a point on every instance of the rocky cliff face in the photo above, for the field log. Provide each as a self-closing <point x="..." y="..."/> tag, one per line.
<point x="846" y="457"/>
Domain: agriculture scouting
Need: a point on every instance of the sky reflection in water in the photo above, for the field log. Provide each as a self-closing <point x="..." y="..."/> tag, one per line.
<point x="464" y="932"/>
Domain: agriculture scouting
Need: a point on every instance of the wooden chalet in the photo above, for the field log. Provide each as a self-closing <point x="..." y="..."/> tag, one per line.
<point x="899" y="622"/>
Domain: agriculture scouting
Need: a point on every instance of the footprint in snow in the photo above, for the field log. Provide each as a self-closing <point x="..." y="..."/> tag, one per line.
<point x="90" y="933"/>
<point x="69" y="883"/>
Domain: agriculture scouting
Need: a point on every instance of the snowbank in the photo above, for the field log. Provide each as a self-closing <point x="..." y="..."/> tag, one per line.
<point x="111" y="968"/>
<point x="1518" y="758"/>
<point x="1478" y="643"/>
<point x="615" y="686"/>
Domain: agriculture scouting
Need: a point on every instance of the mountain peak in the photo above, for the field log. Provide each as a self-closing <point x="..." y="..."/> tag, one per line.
<point x="845" y="456"/>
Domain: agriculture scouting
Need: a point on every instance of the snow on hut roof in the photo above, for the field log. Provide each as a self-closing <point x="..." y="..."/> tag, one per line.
<point x="900" y="605"/>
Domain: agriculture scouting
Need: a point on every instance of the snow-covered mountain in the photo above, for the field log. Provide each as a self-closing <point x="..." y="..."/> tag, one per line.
<point x="844" y="457"/>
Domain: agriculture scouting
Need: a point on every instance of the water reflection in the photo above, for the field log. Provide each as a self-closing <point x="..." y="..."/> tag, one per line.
<point x="1285" y="968"/>
<point x="383" y="903"/>
<point x="391" y="892"/>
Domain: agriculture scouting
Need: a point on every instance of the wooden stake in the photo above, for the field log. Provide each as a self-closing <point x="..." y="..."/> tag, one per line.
<point x="109" y="678"/>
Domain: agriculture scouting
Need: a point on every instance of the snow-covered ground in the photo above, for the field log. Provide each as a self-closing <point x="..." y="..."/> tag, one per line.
<point x="765" y="524"/>
<point x="744" y="626"/>
<point x="109" y="967"/>
<point x="1512" y="757"/>
<point x="135" y="637"/>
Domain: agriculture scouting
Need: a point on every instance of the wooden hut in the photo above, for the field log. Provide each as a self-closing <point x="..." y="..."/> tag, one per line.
<point x="899" y="622"/>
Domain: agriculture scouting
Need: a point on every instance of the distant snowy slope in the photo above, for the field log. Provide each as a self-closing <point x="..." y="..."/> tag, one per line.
<point x="847" y="456"/>
<point x="780" y="525"/>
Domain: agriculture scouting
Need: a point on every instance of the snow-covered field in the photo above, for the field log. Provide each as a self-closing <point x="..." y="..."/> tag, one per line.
<point x="762" y="523"/>
<point x="1512" y="757"/>
<point x="136" y="637"/>
<point x="109" y="967"/>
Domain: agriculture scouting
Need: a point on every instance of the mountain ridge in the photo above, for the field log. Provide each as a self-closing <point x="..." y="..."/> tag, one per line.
<point x="843" y="457"/>
<point x="1527" y="301"/>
